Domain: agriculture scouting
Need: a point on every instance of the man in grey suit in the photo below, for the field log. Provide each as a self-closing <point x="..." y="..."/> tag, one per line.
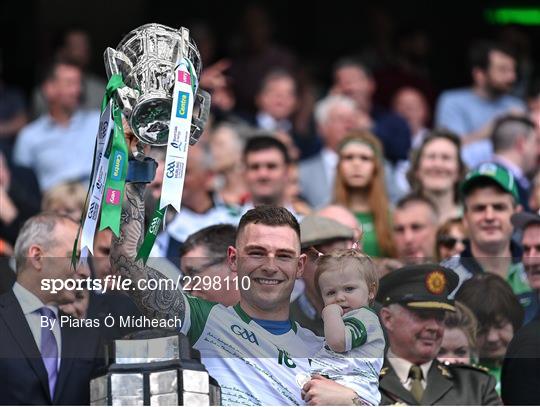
<point x="335" y="116"/>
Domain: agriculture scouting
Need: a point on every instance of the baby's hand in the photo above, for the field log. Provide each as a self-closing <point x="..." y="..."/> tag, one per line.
<point x="332" y="309"/>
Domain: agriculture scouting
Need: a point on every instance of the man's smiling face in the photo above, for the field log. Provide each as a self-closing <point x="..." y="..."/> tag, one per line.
<point x="270" y="257"/>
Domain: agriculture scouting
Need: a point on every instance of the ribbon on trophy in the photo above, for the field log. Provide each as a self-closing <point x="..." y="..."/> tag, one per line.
<point x="177" y="152"/>
<point x="106" y="174"/>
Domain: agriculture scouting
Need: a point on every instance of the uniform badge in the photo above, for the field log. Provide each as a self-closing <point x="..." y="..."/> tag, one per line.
<point x="444" y="371"/>
<point x="436" y="282"/>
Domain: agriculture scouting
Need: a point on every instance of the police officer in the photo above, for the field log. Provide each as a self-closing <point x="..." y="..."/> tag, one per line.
<point x="415" y="299"/>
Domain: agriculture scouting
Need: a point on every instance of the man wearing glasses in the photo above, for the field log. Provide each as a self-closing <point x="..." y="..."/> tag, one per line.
<point x="203" y="260"/>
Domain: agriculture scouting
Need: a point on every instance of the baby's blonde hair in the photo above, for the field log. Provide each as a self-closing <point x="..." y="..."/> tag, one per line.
<point x="339" y="259"/>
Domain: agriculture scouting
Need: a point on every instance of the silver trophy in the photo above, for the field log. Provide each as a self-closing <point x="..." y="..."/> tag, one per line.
<point x="147" y="58"/>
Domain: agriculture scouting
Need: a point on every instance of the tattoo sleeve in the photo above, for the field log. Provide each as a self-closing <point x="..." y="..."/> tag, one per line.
<point x="159" y="303"/>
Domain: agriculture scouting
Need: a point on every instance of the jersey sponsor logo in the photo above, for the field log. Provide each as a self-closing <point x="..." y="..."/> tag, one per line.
<point x="119" y="158"/>
<point x="103" y="129"/>
<point x="113" y="196"/>
<point x="175" y="169"/>
<point x="176" y="142"/>
<point x="154" y="226"/>
<point x="93" y="211"/>
<point x="182" y="108"/>
<point x="244" y="333"/>
<point x="184" y="77"/>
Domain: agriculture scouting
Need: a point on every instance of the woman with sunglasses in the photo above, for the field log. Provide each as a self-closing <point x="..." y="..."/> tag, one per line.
<point x="436" y="171"/>
<point x="359" y="186"/>
<point x="450" y="239"/>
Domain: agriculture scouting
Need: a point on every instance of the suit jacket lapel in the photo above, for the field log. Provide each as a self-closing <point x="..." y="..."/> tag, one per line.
<point x="392" y="386"/>
<point x="438" y="383"/>
<point x="12" y="313"/>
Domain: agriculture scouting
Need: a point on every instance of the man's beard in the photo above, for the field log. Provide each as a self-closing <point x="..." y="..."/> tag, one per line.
<point x="496" y="91"/>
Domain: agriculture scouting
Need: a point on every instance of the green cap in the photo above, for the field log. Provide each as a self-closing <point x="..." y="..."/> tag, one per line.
<point x="493" y="173"/>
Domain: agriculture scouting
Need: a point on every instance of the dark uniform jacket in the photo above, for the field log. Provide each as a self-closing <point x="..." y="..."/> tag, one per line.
<point x="446" y="385"/>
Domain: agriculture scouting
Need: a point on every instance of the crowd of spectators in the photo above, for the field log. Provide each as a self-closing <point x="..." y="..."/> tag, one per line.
<point x="457" y="183"/>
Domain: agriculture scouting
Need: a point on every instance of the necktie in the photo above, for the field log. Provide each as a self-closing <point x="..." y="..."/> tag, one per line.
<point x="415" y="374"/>
<point x="49" y="349"/>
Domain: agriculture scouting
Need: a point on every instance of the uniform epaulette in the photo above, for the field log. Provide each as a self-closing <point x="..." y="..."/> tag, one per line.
<point x="473" y="366"/>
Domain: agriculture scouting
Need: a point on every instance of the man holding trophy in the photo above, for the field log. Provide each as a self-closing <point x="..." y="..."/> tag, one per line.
<point x="255" y="352"/>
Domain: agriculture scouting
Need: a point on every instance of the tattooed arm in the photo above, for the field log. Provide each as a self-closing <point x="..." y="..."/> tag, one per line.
<point x="160" y="304"/>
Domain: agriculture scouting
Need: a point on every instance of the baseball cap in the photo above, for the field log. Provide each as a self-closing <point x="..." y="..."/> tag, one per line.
<point x="490" y="172"/>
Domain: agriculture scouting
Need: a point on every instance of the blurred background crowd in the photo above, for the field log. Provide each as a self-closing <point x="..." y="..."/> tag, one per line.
<point x="372" y="120"/>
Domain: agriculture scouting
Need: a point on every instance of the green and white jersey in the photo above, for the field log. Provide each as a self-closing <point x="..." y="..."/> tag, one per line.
<point x="358" y="368"/>
<point x="252" y="366"/>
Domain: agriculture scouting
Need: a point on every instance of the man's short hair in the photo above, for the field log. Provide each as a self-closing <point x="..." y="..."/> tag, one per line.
<point x="266" y="142"/>
<point x="507" y="130"/>
<point x="213" y="239"/>
<point x="48" y="73"/>
<point x="351" y="62"/>
<point x="414" y="198"/>
<point x="38" y="230"/>
<point x="270" y="216"/>
<point x="480" y="51"/>
<point x="275" y="74"/>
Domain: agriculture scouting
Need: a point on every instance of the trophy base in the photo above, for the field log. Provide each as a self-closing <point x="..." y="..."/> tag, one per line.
<point x="150" y="119"/>
<point x="153" y="367"/>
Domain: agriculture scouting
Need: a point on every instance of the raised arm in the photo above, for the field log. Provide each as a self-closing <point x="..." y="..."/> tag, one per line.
<point x="159" y="304"/>
<point x="334" y="328"/>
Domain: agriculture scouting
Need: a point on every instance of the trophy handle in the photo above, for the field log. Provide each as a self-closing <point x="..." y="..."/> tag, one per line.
<point x="126" y="96"/>
<point x="203" y="100"/>
<point x="112" y="57"/>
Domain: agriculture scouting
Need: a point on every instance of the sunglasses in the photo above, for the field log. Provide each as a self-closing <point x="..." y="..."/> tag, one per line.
<point x="450" y="242"/>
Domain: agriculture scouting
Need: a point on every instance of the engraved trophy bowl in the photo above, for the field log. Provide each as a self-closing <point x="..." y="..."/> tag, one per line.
<point x="147" y="58"/>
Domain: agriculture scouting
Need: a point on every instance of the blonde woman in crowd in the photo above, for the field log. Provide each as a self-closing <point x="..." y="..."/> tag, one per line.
<point x="67" y="199"/>
<point x="459" y="338"/>
<point x="359" y="186"/>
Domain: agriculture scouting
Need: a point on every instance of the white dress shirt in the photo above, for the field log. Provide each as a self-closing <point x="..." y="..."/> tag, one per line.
<point x="267" y="122"/>
<point x="330" y="159"/>
<point x="30" y="304"/>
<point x="402" y="368"/>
